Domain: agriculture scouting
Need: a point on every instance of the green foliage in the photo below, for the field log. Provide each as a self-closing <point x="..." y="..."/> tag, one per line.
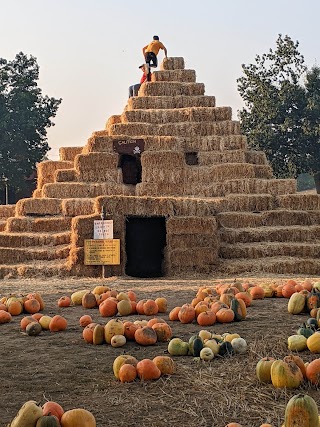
<point x="281" y="114"/>
<point x="25" y="115"/>
<point x="305" y="182"/>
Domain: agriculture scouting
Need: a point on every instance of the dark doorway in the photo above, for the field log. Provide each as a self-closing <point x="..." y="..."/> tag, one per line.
<point x="131" y="168"/>
<point x="145" y="242"/>
<point x="191" y="158"/>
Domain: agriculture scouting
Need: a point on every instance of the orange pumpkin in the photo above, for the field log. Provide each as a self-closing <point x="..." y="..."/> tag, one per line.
<point x="130" y="329"/>
<point x="206" y="318"/>
<point x="257" y="292"/>
<point x="217" y="305"/>
<point x="313" y="372"/>
<point x="201" y="307"/>
<point x="278" y="291"/>
<point x="145" y="336"/>
<point x="298" y="361"/>
<point x="163" y="331"/>
<point x="165" y="364"/>
<point x="78" y="417"/>
<point x="53" y="408"/>
<point x="127" y="373"/>
<point x="307" y="284"/>
<point x="288" y="290"/>
<point x="25" y="322"/>
<point x="38" y="297"/>
<point x="132" y="295"/>
<point x="187" y="313"/>
<point x="58" y="323"/>
<point x="15" y="308"/>
<point x="148" y="370"/>
<point x="31" y="305"/>
<point x="64" y="301"/>
<point x="85" y="320"/>
<point x="245" y="296"/>
<point x="139" y="306"/>
<point x="108" y="308"/>
<point x="150" y="307"/>
<point x="3" y="307"/>
<point x="174" y="314"/>
<point x="225" y="315"/>
<point x="87" y="332"/>
<point x="226" y="298"/>
<point x="5" y="317"/>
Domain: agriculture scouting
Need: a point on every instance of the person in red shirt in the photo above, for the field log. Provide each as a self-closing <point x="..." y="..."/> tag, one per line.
<point x="134" y="89"/>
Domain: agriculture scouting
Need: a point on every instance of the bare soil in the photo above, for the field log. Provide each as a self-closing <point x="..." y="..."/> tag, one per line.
<point x="62" y="367"/>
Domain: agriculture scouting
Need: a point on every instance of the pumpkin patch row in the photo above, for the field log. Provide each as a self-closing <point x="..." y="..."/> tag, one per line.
<point x="35" y="324"/>
<point x="289" y="372"/>
<point x="116" y="333"/>
<point x="51" y="414"/>
<point x="305" y="302"/>
<point x="17" y="304"/>
<point x="206" y="345"/>
<point x="127" y="368"/>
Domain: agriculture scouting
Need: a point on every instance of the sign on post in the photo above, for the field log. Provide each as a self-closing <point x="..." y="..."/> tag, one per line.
<point x="102" y="252"/>
<point x="103" y="229"/>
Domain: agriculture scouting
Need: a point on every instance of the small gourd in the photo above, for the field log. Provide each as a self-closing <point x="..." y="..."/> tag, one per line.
<point x="195" y="345"/>
<point x="226" y="349"/>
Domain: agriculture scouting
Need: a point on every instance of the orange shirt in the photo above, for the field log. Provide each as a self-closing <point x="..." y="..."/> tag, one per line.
<point x="154" y="47"/>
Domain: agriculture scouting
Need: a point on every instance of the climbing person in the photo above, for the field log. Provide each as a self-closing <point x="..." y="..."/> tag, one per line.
<point x="150" y="53"/>
<point x="134" y="89"/>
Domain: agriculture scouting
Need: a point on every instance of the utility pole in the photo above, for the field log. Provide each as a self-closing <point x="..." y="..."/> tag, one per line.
<point x="6" y="190"/>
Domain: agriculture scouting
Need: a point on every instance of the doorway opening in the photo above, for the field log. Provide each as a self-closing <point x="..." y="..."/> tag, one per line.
<point x="191" y="158"/>
<point x="145" y="243"/>
<point x="131" y="168"/>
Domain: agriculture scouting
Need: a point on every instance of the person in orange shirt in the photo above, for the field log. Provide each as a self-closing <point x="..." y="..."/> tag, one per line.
<point x="134" y="89"/>
<point x="150" y="53"/>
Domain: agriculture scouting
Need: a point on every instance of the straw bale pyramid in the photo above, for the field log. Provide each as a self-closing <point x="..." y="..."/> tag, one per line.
<point x="222" y="208"/>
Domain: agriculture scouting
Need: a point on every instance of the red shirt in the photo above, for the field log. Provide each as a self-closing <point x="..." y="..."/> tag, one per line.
<point x="143" y="78"/>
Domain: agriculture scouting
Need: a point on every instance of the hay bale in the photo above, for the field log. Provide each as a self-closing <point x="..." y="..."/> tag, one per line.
<point x="219" y="172"/>
<point x="244" y="202"/>
<point x="98" y="143"/>
<point x="164" y="159"/>
<point x="69" y="153"/>
<point x="192" y="258"/>
<point x="40" y="225"/>
<point x="97" y="167"/>
<point x="46" y="170"/>
<point x="172" y="176"/>
<point x="78" y="190"/>
<point x="172" y="63"/>
<point x="66" y="175"/>
<point x="16" y="254"/>
<point x="292" y="233"/>
<point x="74" y="207"/>
<point x="256" y="157"/>
<point x="160" y="189"/>
<point x="15" y="240"/>
<point x="37" y="194"/>
<point x="40" y="207"/>
<point x="174" y="115"/>
<point x="174" y="76"/>
<point x="268" y="218"/>
<point x="207" y="158"/>
<point x="169" y="102"/>
<point x="191" y="225"/>
<point x="187" y="241"/>
<point x="116" y="118"/>
<point x="7" y="211"/>
<point x="263" y="171"/>
<point x="171" y="89"/>
<point x="299" y="201"/>
<point x="184" y="129"/>
<point x="82" y="228"/>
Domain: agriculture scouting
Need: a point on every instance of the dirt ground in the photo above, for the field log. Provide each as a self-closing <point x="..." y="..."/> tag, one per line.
<point x="62" y="367"/>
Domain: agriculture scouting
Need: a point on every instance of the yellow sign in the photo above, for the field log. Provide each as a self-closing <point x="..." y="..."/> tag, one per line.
<point x="102" y="252"/>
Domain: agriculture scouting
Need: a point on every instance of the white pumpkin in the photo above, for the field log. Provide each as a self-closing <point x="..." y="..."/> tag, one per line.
<point x="206" y="354"/>
<point x="118" y="341"/>
<point x="239" y="345"/>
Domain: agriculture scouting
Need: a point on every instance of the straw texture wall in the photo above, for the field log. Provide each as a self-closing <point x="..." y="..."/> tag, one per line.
<point x="46" y="171"/>
<point x="78" y="190"/>
<point x="66" y="175"/>
<point x="168" y="102"/>
<point x="256" y="157"/>
<point x="193" y="225"/>
<point x="34" y="225"/>
<point x="174" y="76"/>
<point x="300" y="201"/>
<point x="7" y="211"/>
<point x="171" y="89"/>
<point x="245" y="202"/>
<point x="69" y="153"/>
<point x="74" y="207"/>
<point x="197" y="114"/>
<point x="16" y="240"/>
<point x="185" y="129"/>
<point x="112" y="120"/>
<point x="37" y="194"/>
<point x="172" y="63"/>
<point x="48" y="206"/>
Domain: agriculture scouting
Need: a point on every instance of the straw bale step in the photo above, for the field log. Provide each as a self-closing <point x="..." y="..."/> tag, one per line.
<point x="16" y="240"/>
<point x="300" y="201"/>
<point x="16" y="254"/>
<point x="46" y="170"/>
<point x="167" y="102"/>
<point x="39" y="207"/>
<point x="270" y="249"/>
<point x="295" y="233"/>
<point x="81" y="190"/>
<point x="6" y="211"/>
<point x="35" y="268"/>
<point x="3" y="223"/>
<point x="66" y="175"/>
<point x="184" y="129"/>
<point x="39" y="225"/>
<point x="68" y="154"/>
<point x="275" y="265"/>
<point x="244" y="203"/>
<point x="200" y="144"/>
<point x="174" y="76"/>
<point x="270" y="218"/>
<point x="172" y="63"/>
<point x="194" y="114"/>
<point x="93" y="167"/>
<point x="232" y="156"/>
<point x="171" y="89"/>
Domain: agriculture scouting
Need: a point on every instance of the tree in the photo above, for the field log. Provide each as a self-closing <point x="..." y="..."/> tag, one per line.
<point x="280" y="111"/>
<point x="25" y="115"/>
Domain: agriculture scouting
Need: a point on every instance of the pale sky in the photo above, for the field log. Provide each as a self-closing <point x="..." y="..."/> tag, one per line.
<point x="89" y="50"/>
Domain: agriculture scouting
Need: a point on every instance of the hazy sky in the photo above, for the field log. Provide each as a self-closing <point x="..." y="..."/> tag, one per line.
<point x="89" y="50"/>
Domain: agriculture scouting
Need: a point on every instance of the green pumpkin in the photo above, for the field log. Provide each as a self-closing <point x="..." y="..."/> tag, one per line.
<point x="235" y="307"/>
<point x="301" y="411"/>
<point x="195" y="345"/>
<point x="48" y="421"/>
<point x="312" y="323"/>
<point x="226" y="349"/>
<point x="305" y="331"/>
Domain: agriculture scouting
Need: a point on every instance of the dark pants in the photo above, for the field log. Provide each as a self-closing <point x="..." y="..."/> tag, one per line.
<point x="151" y="59"/>
<point x="134" y="89"/>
